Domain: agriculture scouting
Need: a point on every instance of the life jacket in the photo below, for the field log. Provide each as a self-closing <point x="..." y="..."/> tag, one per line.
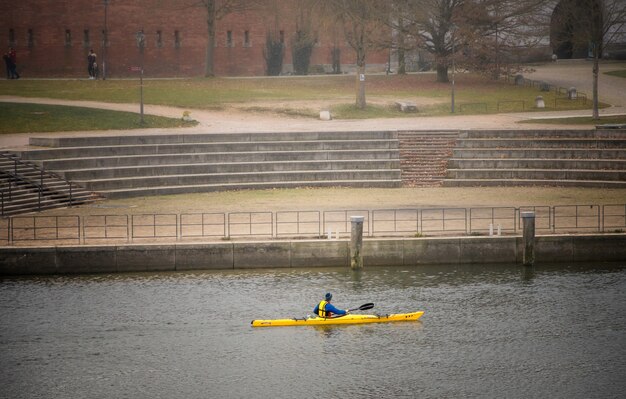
<point x="321" y="310"/>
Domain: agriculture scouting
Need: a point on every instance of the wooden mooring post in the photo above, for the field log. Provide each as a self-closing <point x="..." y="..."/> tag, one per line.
<point x="528" y="221"/>
<point x="356" y="242"/>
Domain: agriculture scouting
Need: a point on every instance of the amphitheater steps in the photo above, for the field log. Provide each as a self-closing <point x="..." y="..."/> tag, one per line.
<point x="424" y="157"/>
<point x="584" y="158"/>
<point x="25" y="188"/>
<point x="125" y="166"/>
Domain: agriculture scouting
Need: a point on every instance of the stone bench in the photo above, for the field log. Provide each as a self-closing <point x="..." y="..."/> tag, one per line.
<point x="406" y="106"/>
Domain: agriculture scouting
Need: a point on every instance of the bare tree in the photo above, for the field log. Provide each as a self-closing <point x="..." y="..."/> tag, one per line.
<point x="364" y="32"/>
<point x="215" y="11"/>
<point x="304" y="39"/>
<point x="594" y="23"/>
<point x="492" y="31"/>
<point x="432" y="24"/>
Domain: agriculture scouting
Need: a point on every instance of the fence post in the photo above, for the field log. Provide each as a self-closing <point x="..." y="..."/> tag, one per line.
<point x="356" y="242"/>
<point x="528" y="220"/>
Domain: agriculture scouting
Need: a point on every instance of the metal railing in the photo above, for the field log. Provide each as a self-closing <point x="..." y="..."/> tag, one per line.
<point x="89" y="229"/>
<point x="43" y="188"/>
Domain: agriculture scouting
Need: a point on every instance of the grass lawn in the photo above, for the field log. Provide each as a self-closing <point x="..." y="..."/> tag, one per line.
<point x="24" y="118"/>
<point x="621" y="73"/>
<point x="303" y="96"/>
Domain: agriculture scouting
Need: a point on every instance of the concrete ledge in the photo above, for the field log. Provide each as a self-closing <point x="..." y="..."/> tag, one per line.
<point x="16" y="261"/>
<point x="204" y="256"/>
<point x="306" y="253"/>
<point x="320" y="253"/>
<point x="86" y="259"/>
<point x="132" y="258"/>
<point x="250" y="255"/>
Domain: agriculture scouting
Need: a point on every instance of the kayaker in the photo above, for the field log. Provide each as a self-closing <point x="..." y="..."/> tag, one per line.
<point x="326" y="309"/>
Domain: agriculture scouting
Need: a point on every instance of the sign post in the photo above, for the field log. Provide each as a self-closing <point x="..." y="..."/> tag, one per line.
<point x="140" y="70"/>
<point x="141" y="43"/>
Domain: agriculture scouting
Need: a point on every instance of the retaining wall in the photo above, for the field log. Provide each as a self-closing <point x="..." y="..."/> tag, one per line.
<point x="306" y="253"/>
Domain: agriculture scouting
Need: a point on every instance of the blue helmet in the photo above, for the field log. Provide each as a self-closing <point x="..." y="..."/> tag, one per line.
<point x="328" y="296"/>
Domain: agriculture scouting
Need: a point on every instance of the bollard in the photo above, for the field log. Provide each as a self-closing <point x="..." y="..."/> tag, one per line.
<point x="356" y="242"/>
<point x="528" y="220"/>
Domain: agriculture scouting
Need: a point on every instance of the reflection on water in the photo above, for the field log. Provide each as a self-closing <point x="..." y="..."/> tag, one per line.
<point x="497" y="331"/>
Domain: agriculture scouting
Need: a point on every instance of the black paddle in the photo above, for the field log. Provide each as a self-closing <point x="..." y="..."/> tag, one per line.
<point x="365" y="306"/>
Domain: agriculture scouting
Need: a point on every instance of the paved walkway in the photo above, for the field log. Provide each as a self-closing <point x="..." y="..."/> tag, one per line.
<point x="565" y="74"/>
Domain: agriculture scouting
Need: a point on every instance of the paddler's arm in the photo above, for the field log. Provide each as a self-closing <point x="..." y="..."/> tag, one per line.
<point x="334" y="310"/>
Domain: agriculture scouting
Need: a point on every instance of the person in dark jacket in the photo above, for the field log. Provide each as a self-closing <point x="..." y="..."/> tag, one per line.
<point x="326" y="309"/>
<point x="7" y="63"/>
<point x="91" y="64"/>
<point x="13" y="64"/>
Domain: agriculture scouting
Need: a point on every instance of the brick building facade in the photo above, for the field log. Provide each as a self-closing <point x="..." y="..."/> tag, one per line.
<point x="52" y="38"/>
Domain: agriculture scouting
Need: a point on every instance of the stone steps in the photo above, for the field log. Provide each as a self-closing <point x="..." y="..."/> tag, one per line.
<point x="103" y="185"/>
<point x="100" y="141"/>
<point x="167" y="164"/>
<point x="191" y="148"/>
<point x="201" y="188"/>
<point x="585" y="158"/>
<point x="537" y="163"/>
<point x="25" y="188"/>
<point x="538" y="174"/>
<point x="424" y="156"/>
<point x="550" y="153"/>
<point x="216" y="157"/>
<point x="236" y="167"/>
<point x="531" y="182"/>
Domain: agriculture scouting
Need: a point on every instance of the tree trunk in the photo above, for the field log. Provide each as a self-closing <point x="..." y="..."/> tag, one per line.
<point x="401" y="61"/>
<point x="360" y="84"/>
<point x="210" y="47"/>
<point x="442" y="73"/>
<point x="596" y="70"/>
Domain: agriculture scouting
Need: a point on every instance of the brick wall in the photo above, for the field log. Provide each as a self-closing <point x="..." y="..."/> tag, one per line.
<point x="52" y="38"/>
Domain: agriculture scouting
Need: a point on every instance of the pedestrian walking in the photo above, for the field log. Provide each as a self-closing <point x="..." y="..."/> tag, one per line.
<point x="13" y="64"/>
<point x="7" y="64"/>
<point x="91" y="64"/>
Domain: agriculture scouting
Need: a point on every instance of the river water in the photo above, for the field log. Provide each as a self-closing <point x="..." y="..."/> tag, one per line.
<point x="487" y="331"/>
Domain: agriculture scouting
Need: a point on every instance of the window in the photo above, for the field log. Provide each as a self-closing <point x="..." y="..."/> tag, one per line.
<point x="177" y="42"/>
<point x="246" y="39"/>
<point x="86" y="39"/>
<point x="229" y="38"/>
<point x="30" y="39"/>
<point x="159" y="39"/>
<point x="68" y="38"/>
<point x="282" y="36"/>
<point x="12" y="41"/>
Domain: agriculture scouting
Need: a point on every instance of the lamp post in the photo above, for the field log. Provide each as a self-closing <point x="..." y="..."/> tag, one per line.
<point x="104" y="42"/>
<point x="453" y="28"/>
<point x="141" y="42"/>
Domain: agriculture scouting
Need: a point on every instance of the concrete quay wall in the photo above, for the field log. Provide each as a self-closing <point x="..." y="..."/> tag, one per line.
<point x="306" y="253"/>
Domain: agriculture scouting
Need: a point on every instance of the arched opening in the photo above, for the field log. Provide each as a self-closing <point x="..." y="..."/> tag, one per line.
<point x="569" y="26"/>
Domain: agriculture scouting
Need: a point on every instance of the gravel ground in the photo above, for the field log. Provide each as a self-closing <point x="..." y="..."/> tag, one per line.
<point x="306" y="199"/>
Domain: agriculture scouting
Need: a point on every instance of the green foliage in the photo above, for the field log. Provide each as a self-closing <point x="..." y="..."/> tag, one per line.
<point x="302" y="48"/>
<point x="274" y="52"/>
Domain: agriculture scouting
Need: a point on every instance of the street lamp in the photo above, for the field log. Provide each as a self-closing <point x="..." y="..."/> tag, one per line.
<point x="453" y="29"/>
<point x="141" y="42"/>
<point x="104" y="42"/>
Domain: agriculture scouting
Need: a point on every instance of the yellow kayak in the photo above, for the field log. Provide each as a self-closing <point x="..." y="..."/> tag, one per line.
<point x="347" y="319"/>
